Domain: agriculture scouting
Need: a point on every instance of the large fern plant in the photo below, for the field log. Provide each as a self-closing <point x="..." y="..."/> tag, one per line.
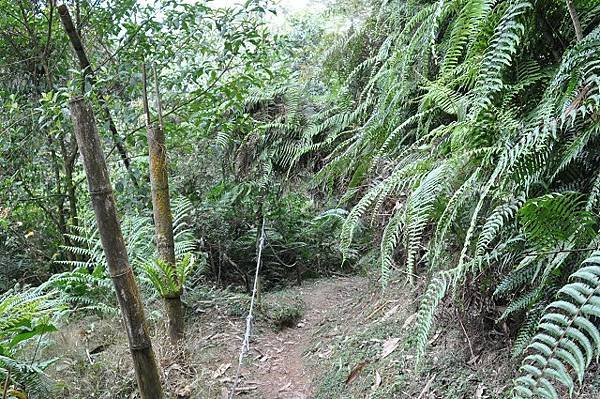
<point x="87" y="285"/>
<point x="25" y="316"/>
<point x="169" y="280"/>
<point x="568" y="338"/>
<point x="472" y="138"/>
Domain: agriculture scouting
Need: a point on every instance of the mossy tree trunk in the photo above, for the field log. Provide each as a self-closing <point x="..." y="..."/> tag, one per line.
<point x="161" y="206"/>
<point x="103" y="202"/>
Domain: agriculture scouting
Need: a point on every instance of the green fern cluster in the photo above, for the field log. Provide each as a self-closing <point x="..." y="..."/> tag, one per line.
<point x="473" y="140"/>
<point x="568" y="338"/>
<point x="169" y="280"/>
<point x="83" y="290"/>
<point x="87" y="285"/>
<point x="25" y="315"/>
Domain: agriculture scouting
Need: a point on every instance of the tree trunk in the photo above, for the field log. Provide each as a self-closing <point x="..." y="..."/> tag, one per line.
<point x="575" y="19"/>
<point x="60" y="198"/>
<point x="88" y="74"/>
<point x="163" y="223"/>
<point x="69" y="156"/>
<point x="174" y="308"/>
<point x="161" y="208"/>
<point x="126" y="288"/>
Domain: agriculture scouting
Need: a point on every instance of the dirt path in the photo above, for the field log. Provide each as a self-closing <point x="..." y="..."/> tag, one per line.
<point x="278" y="367"/>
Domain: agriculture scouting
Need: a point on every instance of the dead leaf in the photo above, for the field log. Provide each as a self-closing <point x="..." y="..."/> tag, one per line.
<point x="355" y="372"/>
<point x="246" y="389"/>
<point x="285" y="387"/>
<point x="479" y="391"/>
<point x="474" y="360"/>
<point x="378" y="308"/>
<point x="409" y="320"/>
<point x="221" y="370"/>
<point x="377" y="382"/>
<point x="14" y="393"/>
<point x="98" y="349"/>
<point x="435" y="337"/>
<point x="184" y="392"/>
<point x="389" y="345"/>
<point x="326" y="354"/>
<point x="174" y="366"/>
<point x="390" y="313"/>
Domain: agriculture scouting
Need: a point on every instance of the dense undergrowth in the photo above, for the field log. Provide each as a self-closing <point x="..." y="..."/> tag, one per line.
<point x="451" y="142"/>
<point x="472" y="126"/>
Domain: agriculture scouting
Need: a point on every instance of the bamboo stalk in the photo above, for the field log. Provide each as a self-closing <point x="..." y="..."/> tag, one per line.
<point x="6" y="382"/>
<point x="575" y="19"/>
<point x="126" y="288"/>
<point x="88" y="74"/>
<point x="161" y="206"/>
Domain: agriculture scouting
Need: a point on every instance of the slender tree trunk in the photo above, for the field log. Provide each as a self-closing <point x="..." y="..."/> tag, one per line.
<point x="163" y="223"/>
<point x="60" y="198"/>
<point x="69" y="156"/>
<point x="126" y="288"/>
<point x="175" y="314"/>
<point x="88" y="74"/>
<point x="161" y="206"/>
<point x="575" y="19"/>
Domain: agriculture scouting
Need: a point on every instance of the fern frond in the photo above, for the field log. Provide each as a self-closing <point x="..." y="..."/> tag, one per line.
<point x="496" y="221"/>
<point x="436" y="291"/>
<point x="418" y="211"/>
<point x="547" y="221"/>
<point x="567" y="338"/>
<point x="526" y="332"/>
<point x="500" y="52"/>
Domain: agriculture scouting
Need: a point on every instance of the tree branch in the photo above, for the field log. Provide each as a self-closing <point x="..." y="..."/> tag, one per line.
<point x="575" y="19"/>
<point x="88" y="74"/>
<point x="179" y="106"/>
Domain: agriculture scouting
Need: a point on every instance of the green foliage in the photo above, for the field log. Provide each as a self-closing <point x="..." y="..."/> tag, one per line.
<point x="299" y="238"/>
<point x="464" y="133"/>
<point x="472" y="137"/>
<point x="547" y="221"/>
<point x="567" y="339"/>
<point x="436" y="291"/>
<point x="25" y="316"/>
<point x="168" y="280"/>
<point x="83" y="290"/>
<point x="87" y="285"/>
<point x="282" y="309"/>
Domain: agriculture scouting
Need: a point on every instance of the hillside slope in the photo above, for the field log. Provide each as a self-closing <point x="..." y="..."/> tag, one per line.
<point x="352" y="341"/>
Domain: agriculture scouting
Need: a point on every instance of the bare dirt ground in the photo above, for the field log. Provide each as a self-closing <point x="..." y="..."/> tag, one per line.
<point x="354" y="341"/>
<point x="94" y="362"/>
<point x="278" y="368"/>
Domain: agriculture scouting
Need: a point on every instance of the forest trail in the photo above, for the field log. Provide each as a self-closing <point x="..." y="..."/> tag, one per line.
<point x="278" y="368"/>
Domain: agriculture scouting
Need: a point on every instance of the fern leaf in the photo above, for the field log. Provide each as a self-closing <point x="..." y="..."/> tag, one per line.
<point x="567" y="338"/>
